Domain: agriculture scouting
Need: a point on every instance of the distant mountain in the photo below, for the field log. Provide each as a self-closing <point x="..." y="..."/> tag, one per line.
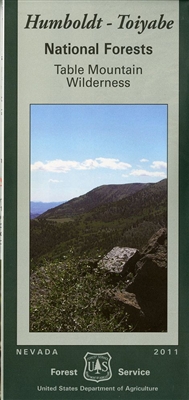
<point x="33" y="216"/>
<point x="96" y="197"/>
<point x="38" y="207"/>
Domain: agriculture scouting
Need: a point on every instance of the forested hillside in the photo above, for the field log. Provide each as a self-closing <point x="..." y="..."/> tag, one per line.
<point x="126" y="222"/>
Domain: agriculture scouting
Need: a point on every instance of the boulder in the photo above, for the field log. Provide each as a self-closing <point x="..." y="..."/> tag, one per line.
<point x="156" y="243"/>
<point x="132" y="307"/>
<point x="149" y="284"/>
<point x="119" y="260"/>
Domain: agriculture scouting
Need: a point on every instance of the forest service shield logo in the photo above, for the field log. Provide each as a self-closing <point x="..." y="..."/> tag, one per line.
<point x="97" y="367"/>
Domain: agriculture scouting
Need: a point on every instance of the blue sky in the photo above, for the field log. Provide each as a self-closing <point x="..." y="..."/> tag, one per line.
<point x="75" y="148"/>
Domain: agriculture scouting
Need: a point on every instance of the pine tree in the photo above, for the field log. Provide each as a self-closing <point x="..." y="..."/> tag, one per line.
<point x="97" y="366"/>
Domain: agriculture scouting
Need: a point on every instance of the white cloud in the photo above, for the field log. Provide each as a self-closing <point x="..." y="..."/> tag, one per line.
<point x="144" y="160"/>
<point x="143" y="172"/>
<point x="112" y="163"/>
<point x="55" y="166"/>
<point x="87" y="164"/>
<point x="159" y="165"/>
<point x="65" y="166"/>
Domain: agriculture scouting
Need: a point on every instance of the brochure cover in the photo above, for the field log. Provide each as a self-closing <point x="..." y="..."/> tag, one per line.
<point x="95" y="263"/>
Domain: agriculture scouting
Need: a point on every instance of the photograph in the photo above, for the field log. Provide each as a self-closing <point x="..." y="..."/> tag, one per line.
<point x="98" y="217"/>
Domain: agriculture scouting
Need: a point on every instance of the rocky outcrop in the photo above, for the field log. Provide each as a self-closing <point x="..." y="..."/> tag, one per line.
<point x="145" y="279"/>
<point x="150" y="281"/>
<point x="157" y="243"/>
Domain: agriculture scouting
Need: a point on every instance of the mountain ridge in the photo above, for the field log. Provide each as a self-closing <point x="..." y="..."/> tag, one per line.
<point x="100" y="195"/>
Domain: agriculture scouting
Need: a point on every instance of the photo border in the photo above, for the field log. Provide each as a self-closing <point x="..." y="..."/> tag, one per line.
<point x="170" y="337"/>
